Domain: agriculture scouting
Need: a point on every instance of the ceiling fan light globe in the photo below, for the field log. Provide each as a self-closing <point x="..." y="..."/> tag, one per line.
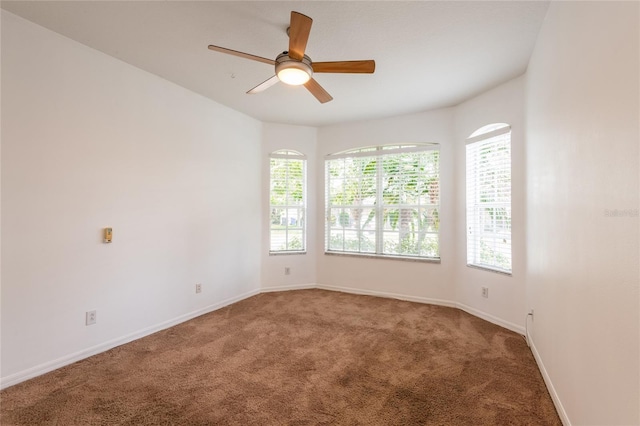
<point x="293" y="76"/>
<point x="293" y="72"/>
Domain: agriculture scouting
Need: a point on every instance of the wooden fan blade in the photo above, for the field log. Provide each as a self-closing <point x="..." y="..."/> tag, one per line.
<point x="242" y="54"/>
<point x="264" y="85"/>
<point x="355" y="67"/>
<point x="317" y="91"/>
<point x="299" y="30"/>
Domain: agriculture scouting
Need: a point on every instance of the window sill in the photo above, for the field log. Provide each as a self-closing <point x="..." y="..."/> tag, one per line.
<point x="284" y="253"/>
<point x="486" y="268"/>
<point x="385" y="256"/>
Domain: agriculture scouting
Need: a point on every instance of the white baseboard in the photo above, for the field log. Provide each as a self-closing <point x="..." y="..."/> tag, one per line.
<point x="487" y="317"/>
<point x="408" y="298"/>
<point x="564" y="418"/>
<point x="287" y="287"/>
<point x="440" y="302"/>
<point x="94" y="350"/>
<point x="46" y="367"/>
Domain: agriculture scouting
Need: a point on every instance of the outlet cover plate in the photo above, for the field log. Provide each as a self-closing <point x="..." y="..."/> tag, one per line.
<point x="91" y="317"/>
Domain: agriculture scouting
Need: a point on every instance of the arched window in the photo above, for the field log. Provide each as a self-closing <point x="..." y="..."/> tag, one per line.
<point x="384" y="201"/>
<point x="488" y="182"/>
<point x="287" y="202"/>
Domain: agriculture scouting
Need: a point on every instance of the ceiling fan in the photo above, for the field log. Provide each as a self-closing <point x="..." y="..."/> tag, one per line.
<point x="295" y="68"/>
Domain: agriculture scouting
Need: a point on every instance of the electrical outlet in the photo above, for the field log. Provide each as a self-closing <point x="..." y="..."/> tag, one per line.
<point x="91" y="317"/>
<point x="485" y="292"/>
<point x="198" y="288"/>
<point x="531" y="313"/>
<point x="287" y="270"/>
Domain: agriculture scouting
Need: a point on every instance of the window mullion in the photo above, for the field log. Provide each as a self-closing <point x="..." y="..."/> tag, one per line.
<point x="327" y="206"/>
<point x="379" y="206"/>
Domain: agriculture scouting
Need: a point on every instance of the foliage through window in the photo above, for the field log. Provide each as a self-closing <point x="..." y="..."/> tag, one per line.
<point x="287" y="204"/>
<point x="384" y="201"/>
<point x="489" y="198"/>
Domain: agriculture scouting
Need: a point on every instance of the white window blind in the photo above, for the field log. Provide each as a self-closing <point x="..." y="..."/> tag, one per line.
<point x="384" y="201"/>
<point x="488" y="184"/>
<point x="287" y="202"/>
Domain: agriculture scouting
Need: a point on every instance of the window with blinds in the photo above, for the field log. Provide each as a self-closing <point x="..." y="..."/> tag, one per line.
<point x="287" y="204"/>
<point x="384" y="201"/>
<point x="489" y="198"/>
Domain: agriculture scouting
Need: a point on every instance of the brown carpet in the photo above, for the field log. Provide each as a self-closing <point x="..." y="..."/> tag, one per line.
<point x="307" y="357"/>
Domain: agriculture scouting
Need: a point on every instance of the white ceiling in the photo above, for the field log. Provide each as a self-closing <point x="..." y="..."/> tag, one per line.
<point x="428" y="54"/>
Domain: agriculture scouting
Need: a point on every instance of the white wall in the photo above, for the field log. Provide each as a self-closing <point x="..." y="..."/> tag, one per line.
<point x="451" y="282"/>
<point x="582" y="162"/>
<point x="412" y="280"/>
<point x="90" y="142"/>
<point x="506" y="302"/>
<point x="302" y="266"/>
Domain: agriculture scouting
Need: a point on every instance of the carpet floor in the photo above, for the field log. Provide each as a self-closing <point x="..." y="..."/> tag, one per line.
<point x="306" y="357"/>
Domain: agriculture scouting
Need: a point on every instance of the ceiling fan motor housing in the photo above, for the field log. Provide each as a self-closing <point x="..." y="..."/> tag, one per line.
<point x="284" y="63"/>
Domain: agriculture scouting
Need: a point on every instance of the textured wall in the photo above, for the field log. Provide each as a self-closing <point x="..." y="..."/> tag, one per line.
<point x="582" y="208"/>
<point x="302" y="266"/>
<point x="89" y="142"/>
<point x="418" y="280"/>
<point x="506" y="301"/>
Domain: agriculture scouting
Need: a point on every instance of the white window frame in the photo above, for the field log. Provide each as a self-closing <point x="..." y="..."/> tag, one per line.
<point x="380" y="152"/>
<point x="289" y="155"/>
<point x="499" y="237"/>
